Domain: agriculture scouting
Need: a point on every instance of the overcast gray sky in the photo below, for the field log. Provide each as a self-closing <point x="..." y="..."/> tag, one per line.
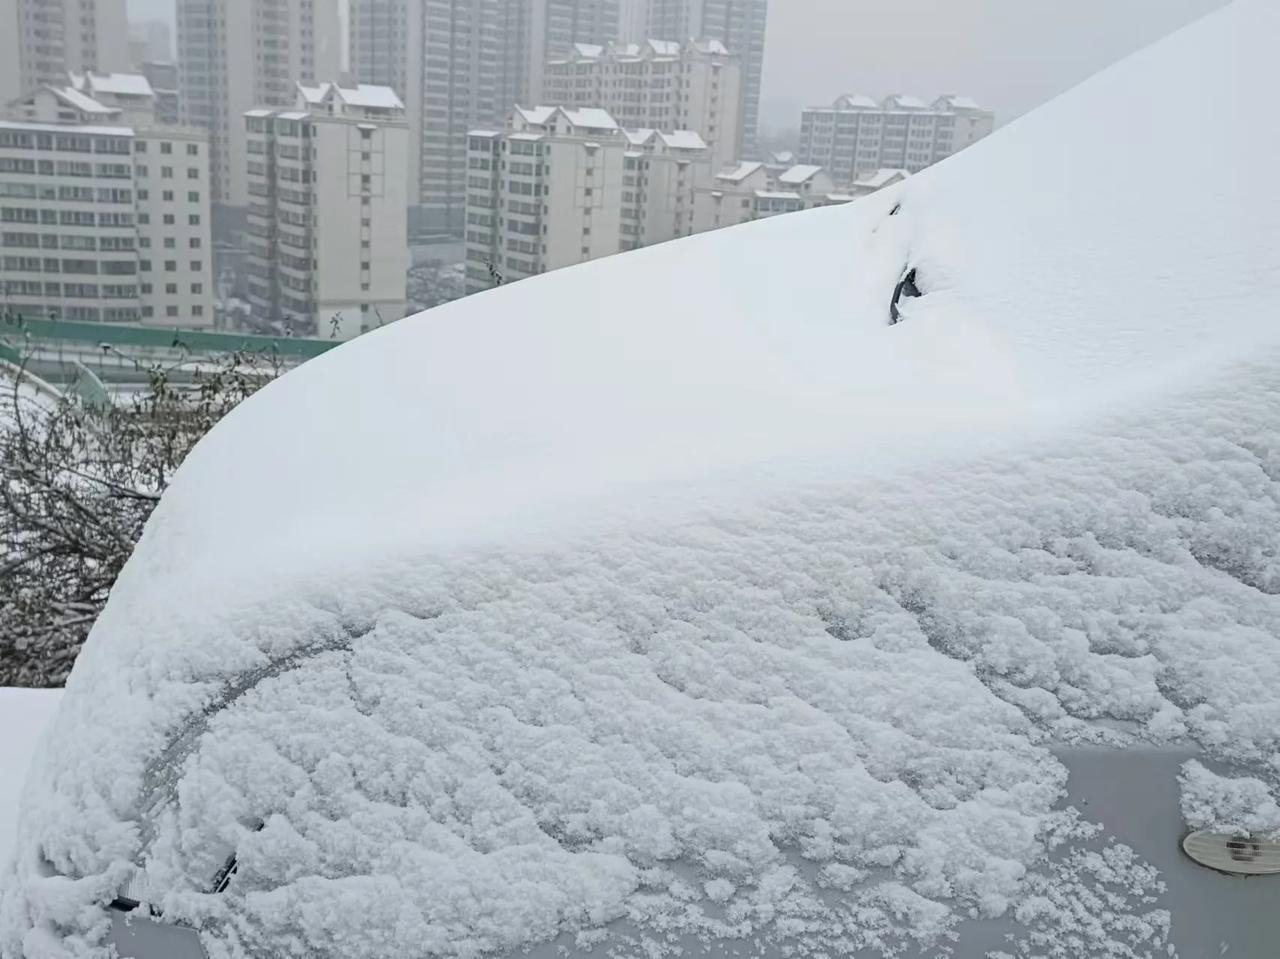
<point x="1010" y="55"/>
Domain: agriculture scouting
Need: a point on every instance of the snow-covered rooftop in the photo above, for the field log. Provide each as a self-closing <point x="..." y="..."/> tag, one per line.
<point x="726" y="617"/>
<point x="878" y="178"/>
<point x="855" y="101"/>
<point x="82" y="101"/>
<point x="591" y="118"/>
<point x="740" y="172"/>
<point x="800" y="173"/>
<point x="683" y="140"/>
<point x="120" y="84"/>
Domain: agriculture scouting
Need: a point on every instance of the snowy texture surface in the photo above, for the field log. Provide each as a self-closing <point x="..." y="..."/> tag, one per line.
<point x="1231" y="804"/>
<point x="24" y="715"/>
<point x="726" y="613"/>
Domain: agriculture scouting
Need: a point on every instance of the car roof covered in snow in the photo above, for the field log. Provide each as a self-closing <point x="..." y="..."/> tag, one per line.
<point x="728" y="616"/>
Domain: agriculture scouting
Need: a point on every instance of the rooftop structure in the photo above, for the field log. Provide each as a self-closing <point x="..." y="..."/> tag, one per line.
<point x="856" y="134"/>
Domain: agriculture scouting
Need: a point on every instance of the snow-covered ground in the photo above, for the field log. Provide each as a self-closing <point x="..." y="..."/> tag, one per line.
<point x="680" y="601"/>
<point x="24" y="714"/>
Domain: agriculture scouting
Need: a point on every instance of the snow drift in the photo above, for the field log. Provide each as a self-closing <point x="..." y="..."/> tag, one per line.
<point x="680" y="601"/>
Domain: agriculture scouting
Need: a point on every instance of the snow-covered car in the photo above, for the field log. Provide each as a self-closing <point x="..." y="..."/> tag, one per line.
<point x="685" y="603"/>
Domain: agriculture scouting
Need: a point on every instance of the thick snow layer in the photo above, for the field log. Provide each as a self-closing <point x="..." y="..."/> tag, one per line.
<point x="24" y="714"/>
<point x="679" y="599"/>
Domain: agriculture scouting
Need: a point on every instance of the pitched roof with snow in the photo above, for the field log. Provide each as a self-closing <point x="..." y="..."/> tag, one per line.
<point x="683" y="140"/>
<point x="82" y="101"/>
<point x="369" y="96"/>
<point x="800" y="173"/>
<point x="957" y="103"/>
<point x="741" y="171"/>
<point x="879" y="178"/>
<point x="590" y="118"/>
<point x="678" y="603"/>
<point x="664" y="48"/>
<point x="856" y="101"/>
<point x="900" y="101"/>
<point x="118" y="84"/>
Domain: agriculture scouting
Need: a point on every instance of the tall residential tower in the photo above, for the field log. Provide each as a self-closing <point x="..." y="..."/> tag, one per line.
<point x="41" y="41"/>
<point x="462" y="64"/>
<point x="738" y="24"/>
<point x="235" y="55"/>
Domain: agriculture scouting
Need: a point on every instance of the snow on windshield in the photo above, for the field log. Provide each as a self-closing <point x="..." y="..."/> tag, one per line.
<point x="681" y="601"/>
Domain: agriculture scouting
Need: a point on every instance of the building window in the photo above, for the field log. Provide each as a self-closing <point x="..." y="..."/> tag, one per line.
<point x="193" y="196"/>
<point x="170" y="265"/>
<point x="168" y="219"/>
<point x="144" y="218"/>
<point x="140" y="146"/>
<point x="144" y="266"/>
<point x="197" y="310"/>
<point x="170" y="243"/>
<point x="139" y="170"/>
<point x="194" y="243"/>
<point x="193" y="173"/>
<point x="197" y="266"/>
<point x="192" y="149"/>
<point x="193" y="219"/>
<point x="166" y="147"/>
<point x="142" y="194"/>
<point x="170" y="311"/>
<point x="167" y="196"/>
<point x="147" y="311"/>
<point x="197" y="288"/>
<point x="166" y="172"/>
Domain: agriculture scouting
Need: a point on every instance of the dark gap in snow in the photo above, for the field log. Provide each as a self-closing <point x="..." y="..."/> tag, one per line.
<point x="906" y="288"/>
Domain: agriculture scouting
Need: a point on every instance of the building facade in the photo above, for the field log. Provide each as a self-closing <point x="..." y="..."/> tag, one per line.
<point x="327" y="255"/>
<point x="658" y="84"/>
<point x="564" y="186"/>
<point x="856" y="135"/>
<point x="41" y="41"/>
<point x="459" y="65"/>
<point x="748" y="191"/>
<point x="163" y="77"/>
<point x="103" y="221"/>
<point x="737" y="24"/>
<point x="235" y="55"/>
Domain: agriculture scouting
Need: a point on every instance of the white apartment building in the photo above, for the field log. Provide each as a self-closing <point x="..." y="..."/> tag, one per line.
<point x="236" y="55"/>
<point x="103" y="221"/>
<point x="749" y="191"/>
<point x="856" y="134"/>
<point x="564" y="186"/>
<point x="660" y="172"/>
<point x="658" y="84"/>
<point x="459" y="65"/>
<point x="737" y="24"/>
<point x="41" y="41"/>
<point x="327" y="255"/>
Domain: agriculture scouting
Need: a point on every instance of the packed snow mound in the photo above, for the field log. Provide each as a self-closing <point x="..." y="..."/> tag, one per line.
<point x="680" y="601"/>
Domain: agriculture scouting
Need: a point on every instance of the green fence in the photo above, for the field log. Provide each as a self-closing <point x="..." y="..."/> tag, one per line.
<point x="135" y="337"/>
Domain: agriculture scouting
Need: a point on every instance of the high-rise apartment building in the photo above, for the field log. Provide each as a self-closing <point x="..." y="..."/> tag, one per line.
<point x="41" y="41"/>
<point x="235" y="55"/>
<point x="738" y="24"/>
<point x="163" y="77"/>
<point x="326" y="217"/>
<point x="658" y="84"/>
<point x="856" y="135"/>
<point x="461" y="64"/>
<point x="563" y="186"/>
<point x="104" y="219"/>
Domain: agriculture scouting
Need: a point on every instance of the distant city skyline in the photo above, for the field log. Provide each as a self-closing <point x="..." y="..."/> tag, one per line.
<point x="1009" y="55"/>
